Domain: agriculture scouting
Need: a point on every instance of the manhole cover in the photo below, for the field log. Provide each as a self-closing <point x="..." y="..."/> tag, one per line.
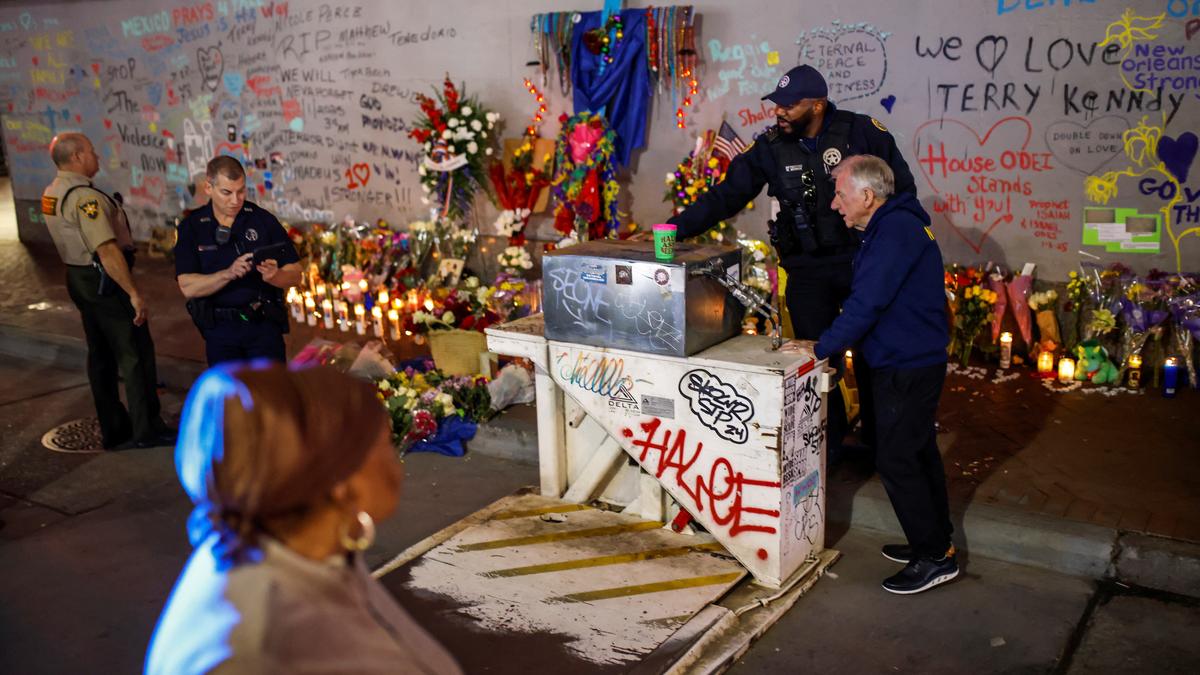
<point x="81" y="436"/>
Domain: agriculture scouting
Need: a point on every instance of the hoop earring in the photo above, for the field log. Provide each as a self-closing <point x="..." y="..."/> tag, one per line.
<point x="366" y="535"/>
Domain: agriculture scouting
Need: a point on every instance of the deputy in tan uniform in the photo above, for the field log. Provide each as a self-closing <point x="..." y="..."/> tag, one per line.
<point x="92" y="236"/>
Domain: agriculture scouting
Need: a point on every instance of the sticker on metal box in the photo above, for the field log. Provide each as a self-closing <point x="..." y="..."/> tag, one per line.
<point x="594" y="273"/>
<point x="658" y="406"/>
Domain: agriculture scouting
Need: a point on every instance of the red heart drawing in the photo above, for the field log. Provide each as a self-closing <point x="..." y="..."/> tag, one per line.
<point x="107" y="124"/>
<point x="96" y="68"/>
<point x="362" y="172"/>
<point x="150" y="192"/>
<point x="78" y="119"/>
<point x="262" y="190"/>
<point x="967" y="155"/>
<point x="35" y="60"/>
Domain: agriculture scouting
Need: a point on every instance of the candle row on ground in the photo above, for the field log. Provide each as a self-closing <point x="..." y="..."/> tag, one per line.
<point x="337" y="313"/>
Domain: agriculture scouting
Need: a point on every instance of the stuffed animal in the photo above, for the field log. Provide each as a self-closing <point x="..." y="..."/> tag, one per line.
<point x="1094" y="365"/>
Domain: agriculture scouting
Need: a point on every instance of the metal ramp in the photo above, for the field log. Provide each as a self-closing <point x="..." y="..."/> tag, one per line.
<point x="533" y="584"/>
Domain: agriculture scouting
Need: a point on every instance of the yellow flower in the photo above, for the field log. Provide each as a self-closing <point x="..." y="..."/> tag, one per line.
<point x="1073" y="274"/>
<point x="1130" y="29"/>
<point x="713" y="163"/>
<point x="1100" y="189"/>
<point x="1141" y="144"/>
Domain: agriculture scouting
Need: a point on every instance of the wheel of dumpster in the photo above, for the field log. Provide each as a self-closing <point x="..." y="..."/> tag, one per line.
<point x="77" y="436"/>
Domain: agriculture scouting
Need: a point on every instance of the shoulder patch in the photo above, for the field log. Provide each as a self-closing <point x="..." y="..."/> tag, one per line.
<point x="751" y="145"/>
<point x="49" y="205"/>
<point x="930" y="233"/>
<point x="878" y="124"/>
<point x="90" y="208"/>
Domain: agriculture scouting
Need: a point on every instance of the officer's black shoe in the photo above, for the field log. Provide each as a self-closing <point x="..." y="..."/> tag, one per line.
<point x="158" y="440"/>
<point x="901" y="553"/>
<point x="922" y="574"/>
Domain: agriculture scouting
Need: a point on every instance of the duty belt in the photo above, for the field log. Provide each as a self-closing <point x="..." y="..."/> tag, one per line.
<point x="236" y="314"/>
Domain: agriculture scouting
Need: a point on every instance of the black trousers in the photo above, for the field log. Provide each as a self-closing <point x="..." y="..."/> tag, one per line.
<point x="814" y="299"/>
<point x="117" y="350"/>
<point x="235" y="340"/>
<point x="907" y="456"/>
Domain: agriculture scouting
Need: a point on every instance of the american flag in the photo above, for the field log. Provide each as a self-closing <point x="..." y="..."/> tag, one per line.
<point x="727" y="144"/>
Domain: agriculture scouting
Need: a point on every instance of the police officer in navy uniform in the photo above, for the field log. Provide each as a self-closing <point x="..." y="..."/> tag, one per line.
<point x="92" y="236"/>
<point x="795" y="159"/>
<point x="236" y="303"/>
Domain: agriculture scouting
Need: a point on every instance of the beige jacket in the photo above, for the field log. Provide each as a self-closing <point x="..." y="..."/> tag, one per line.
<point x="288" y="614"/>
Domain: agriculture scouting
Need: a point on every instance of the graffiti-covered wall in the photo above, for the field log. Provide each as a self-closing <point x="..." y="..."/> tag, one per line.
<point x="1036" y="129"/>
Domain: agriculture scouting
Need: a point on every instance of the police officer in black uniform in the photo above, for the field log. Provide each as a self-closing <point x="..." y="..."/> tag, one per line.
<point x="794" y="159"/>
<point x="235" y="298"/>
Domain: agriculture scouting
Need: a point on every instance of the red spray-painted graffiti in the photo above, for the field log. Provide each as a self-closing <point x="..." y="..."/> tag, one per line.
<point x="980" y="180"/>
<point x="722" y="491"/>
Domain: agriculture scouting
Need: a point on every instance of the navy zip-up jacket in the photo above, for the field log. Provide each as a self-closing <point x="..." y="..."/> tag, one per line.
<point x="896" y="312"/>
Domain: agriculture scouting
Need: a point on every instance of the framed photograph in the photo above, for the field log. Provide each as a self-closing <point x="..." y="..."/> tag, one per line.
<point x="450" y="269"/>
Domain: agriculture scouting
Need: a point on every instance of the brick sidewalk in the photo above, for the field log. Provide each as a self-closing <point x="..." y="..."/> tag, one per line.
<point x="1126" y="461"/>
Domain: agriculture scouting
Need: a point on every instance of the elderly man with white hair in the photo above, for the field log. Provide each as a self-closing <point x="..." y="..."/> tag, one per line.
<point x="896" y="319"/>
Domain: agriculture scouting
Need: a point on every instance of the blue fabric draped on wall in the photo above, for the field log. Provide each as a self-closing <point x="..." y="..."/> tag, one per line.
<point x="622" y="90"/>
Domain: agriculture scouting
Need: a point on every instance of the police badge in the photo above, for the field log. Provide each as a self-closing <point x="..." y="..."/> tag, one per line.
<point x="90" y="208"/>
<point x="832" y="157"/>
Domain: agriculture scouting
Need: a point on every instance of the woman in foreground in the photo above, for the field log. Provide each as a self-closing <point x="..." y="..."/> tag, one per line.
<point x="288" y="471"/>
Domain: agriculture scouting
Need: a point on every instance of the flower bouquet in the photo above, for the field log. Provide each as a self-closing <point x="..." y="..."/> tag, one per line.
<point x="974" y="308"/>
<point x="515" y="261"/>
<point x="1185" y="309"/>
<point x="694" y="176"/>
<point x="1019" y="288"/>
<point x="1042" y="304"/>
<point x="433" y="412"/>
<point x="421" y="237"/>
<point x="456" y="135"/>
<point x="995" y="283"/>
<point x="458" y="243"/>
<point x="1142" y="311"/>
<point x="518" y="189"/>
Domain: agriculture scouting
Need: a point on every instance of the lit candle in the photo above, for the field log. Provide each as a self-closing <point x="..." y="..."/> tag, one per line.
<point x="1135" y="371"/>
<point x="377" y="319"/>
<point x="394" y="322"/>
<point x="383" y="298"/>
<point x="363" y="286"/>
<point x="1046" y="365"/>
<point x="296" y="303"/>
<point x="310" y="309"/>
<point x="397" y="305"/>
<point x="1066" y="370"/>
<point x="1170" y="376"/>
<point x="321" y="290"/>
<point x="428" y="304"/>
<point x="360" y="319"/>
<point x="343" y="315"/>
<point x="327" y="311"/>
<point x="412" y="301"/>
<point x="1005" y="349"/>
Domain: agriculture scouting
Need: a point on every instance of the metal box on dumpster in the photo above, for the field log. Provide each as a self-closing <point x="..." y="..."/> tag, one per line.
<point x="610" y="293"/>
